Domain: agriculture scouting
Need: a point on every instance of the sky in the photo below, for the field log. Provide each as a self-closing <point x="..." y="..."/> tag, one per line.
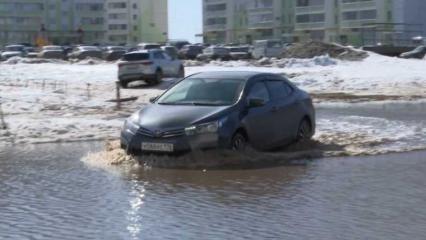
<point x="185" y="19"/>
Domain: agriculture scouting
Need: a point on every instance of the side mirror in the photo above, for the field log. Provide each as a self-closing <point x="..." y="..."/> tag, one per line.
<point x="153" y="99"/>
<point x="256" y="102"/>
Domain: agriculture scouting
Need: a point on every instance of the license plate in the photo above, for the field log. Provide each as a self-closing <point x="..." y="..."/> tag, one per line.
<point x="158" y="147"/>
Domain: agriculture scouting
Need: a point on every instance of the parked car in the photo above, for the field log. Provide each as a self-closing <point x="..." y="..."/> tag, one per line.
<point x="228" y="110"/>
<point x="149" y="46"/>
<point x="267" y="48"/>
<point x="190" y="51"/>
<point x="214" y="53"/>
<point x="83" y="52"/>
<point x="52" y="52"/>
<point x="239" y="53"/>
<point x="178" y="44"/>
<point x="171" y="51"/>
<point x="13" y="51"/>
<point x="31" y="52"/>
<point x="418" y="53"/>
<point x="148" y="65"/>
<point x="113" y="53"/>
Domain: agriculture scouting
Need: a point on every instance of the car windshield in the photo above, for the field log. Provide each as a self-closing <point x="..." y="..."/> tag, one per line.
<point x="14" y="48"/>
<point x="203" y="92"/>
<point x="136" y="57"/>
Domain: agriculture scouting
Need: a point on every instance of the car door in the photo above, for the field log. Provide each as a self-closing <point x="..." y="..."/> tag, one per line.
<point x="259" y="120"/>
<point x="173" y="65"/>
<point x="284" y="102"/>
<point x="161" y="62"/>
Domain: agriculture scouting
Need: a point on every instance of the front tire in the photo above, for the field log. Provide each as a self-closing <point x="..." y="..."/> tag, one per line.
<point x="239" y="142"/>
<point x="181" y="73"/>
<point x="305" y="130"/>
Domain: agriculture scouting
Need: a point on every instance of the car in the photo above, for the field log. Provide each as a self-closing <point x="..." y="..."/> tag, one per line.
<point x="178" y="44"/>
<point x="148" y="46"/>
<point x="226" y="110"/>
<point x="13" y="51"/>
<point x="171" y="51"/>
<point x="52" y="52"/>
<point x="214" y="53"/>
<point x="113" y="53"/>
<point x="148" y="65"/>
<point x="239" y="53"/>
<point x="191" y="51"/>
<point x="418" y="53"/>
<point x="83" y="52"/>
<point x="267" y="48"/>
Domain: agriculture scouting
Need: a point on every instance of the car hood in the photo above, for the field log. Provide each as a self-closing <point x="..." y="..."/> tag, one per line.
<point x="167" y="117"/>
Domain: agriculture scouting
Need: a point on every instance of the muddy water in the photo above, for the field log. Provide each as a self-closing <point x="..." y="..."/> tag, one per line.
<point x="48" y="192"/>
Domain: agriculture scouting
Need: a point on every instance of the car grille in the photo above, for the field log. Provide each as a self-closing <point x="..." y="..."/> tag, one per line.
<point x="165" y="134"/>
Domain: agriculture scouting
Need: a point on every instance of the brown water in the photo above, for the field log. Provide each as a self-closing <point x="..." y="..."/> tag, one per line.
<point x="49" y="192"/>
<point x="46" y="192"/>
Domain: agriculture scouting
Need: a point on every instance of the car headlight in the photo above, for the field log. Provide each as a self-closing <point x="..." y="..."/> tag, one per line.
<point x="210" y="127"/>
<point x="134" y="119"/>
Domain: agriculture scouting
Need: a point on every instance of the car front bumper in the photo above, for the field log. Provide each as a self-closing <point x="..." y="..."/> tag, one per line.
<point x="132" y="140"/>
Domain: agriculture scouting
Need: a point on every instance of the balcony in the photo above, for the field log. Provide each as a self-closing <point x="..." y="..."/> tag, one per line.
<point x="358" y="5"/>
<point x="221" y="13"/>
<point x="206" y="2"/>
<point x="264" y="9"/>
<point x="261" y="25"/>
<point x="309" y="26"/>
<point x="310" y="9"/>
<point x="214" y="27"/>
<point x="356" y="23"/>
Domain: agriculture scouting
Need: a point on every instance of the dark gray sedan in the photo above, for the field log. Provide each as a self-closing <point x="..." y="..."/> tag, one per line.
<point x="221" y="110"/>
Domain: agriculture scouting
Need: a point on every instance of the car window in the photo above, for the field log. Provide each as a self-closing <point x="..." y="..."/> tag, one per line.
<point x="158" y="55"/>
<point x="279" y="89"/>
<point x="203" y="91"/>
<point x="259" y="91"/>
<point x="135" y="57"/>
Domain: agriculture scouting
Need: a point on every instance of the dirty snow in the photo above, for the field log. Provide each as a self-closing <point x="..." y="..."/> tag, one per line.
<point x="61" y="101"/>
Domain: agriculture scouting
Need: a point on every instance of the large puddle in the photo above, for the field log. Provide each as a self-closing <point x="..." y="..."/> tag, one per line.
<point x="46" y="192"/>
<point x="345" y="129"/>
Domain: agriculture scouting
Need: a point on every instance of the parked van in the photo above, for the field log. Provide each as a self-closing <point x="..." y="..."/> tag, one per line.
<point x="267" y="48"/>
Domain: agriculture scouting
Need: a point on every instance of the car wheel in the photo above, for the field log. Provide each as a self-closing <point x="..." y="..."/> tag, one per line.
<point x="158" y="76"/>
<point x="124" y="84"/>
<point x="181" y="73"/>
<point x="239" y="142"/>
<point x="305" y="130"/>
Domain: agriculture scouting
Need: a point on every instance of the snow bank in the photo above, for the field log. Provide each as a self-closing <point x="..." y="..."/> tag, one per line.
<point x="38" y="98"/>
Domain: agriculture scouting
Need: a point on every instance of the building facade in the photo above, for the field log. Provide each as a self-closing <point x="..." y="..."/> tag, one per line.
<point x="356" y="22"/>
<point x="82" y="21"/>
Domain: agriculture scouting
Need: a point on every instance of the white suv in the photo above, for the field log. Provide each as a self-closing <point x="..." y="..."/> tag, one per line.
<point x="148" y="65"/>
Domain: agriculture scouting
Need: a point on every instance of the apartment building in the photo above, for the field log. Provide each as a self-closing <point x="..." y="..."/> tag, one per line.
<point x="134" y="21"/>
<point x="354" y="22"/>
<point x="82" y="21"/>
<point x="246" y="20"/>
<point x="360" y="22"/>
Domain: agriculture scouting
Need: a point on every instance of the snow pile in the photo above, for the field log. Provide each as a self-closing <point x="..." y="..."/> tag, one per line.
<point x="297" y="62"/>
<point x="19" y="60"/>
<point x="314" y="49"/>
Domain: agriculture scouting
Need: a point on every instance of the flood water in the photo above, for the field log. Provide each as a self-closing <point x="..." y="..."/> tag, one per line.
<point x="48" y="192"/>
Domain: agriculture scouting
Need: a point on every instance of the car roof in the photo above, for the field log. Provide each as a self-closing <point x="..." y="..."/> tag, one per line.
<point x="242" y="75"/>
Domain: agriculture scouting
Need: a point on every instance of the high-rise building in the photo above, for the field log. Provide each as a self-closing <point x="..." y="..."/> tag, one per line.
<point x="83" y="21"/>
<point x="355" y="22"/>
